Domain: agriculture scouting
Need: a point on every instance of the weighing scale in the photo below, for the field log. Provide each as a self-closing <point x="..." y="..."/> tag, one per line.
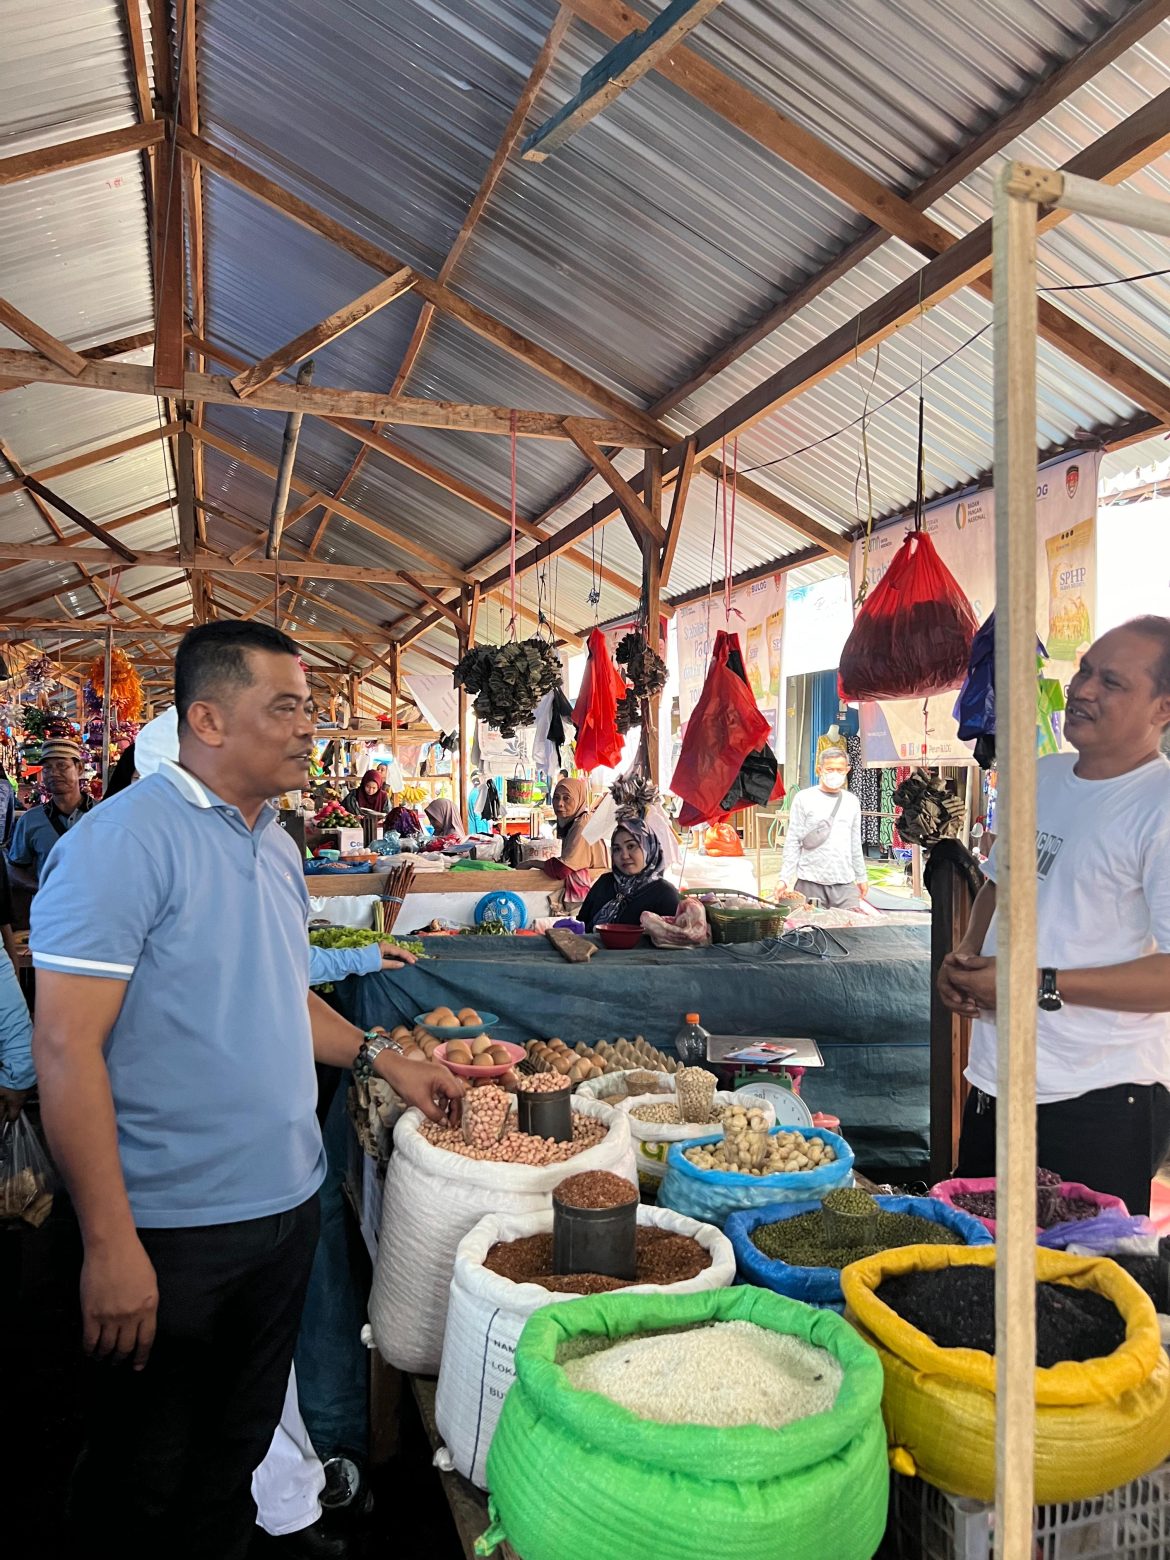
<point x="775" y="1081"/>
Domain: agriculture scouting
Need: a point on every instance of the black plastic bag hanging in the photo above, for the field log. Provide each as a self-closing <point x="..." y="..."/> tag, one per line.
<point x="489" y="807"/>
<point x="562" y="711"/>
<point x="758" y="781"/>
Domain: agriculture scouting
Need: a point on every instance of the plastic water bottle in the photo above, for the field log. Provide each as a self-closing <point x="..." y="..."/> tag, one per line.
<point x="690" y="1043"/>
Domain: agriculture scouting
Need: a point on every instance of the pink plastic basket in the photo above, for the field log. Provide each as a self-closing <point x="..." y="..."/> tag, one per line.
<point x="945" y="1191"/>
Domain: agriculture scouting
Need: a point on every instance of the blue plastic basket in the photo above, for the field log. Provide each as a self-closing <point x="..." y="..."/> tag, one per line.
<point x="711" y="1195"/>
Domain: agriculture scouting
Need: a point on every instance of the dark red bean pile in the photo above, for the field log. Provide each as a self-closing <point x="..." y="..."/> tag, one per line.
<point x="956" y="1307"/>
<point x="1051" y="1207"/>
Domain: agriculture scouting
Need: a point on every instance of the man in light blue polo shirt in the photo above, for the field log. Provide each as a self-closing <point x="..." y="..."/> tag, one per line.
<point x="174" y="1049"/>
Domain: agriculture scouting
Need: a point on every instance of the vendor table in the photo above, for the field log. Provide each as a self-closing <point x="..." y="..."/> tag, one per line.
<point x="869" y="1011"/>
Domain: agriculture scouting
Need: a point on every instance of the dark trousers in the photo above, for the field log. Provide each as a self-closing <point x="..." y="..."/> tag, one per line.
<point x="170" y="1450"/>
<point x="1112" y="1140"/>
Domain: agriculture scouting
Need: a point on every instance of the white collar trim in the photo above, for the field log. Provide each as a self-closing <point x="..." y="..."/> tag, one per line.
<point x="185" y="783"/>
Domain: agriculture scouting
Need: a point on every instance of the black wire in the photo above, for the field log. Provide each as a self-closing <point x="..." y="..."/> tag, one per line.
<point x="1118" y="281"/>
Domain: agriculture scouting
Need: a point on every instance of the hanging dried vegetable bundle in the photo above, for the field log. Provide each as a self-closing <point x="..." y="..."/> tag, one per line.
<point x="509" y="681"/>
<point x="645" y="668"/>
<point x="629" y="712"/>
<point x="126" y="697"/>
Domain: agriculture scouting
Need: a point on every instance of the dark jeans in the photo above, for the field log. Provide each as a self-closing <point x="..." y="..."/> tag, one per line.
<point x="167" y="1466"/>
<point x="1112" y="1140"/>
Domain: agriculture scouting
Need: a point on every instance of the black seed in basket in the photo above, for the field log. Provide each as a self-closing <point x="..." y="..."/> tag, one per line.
<point x="956" y="1307"/>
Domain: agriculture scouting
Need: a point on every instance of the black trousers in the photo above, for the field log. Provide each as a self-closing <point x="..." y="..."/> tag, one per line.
<point x="1112" y="1140"/>
<point x="170" y="1450"/>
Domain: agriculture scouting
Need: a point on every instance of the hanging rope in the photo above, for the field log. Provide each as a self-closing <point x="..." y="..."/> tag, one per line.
<point x="512" y="543"/>
<point x="729" y="526"/>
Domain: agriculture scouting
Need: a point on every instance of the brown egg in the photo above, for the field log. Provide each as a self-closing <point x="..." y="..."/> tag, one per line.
<point x="480" y="1044"/>
<point x="564" y="1064"/>
<point x="460" y="1055"/>
<point x="468" y="1016"/>
<point x="499" y="1056"/>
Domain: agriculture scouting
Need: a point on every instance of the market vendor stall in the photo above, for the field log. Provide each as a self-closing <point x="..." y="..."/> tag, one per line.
<point x="869" y="1010"/>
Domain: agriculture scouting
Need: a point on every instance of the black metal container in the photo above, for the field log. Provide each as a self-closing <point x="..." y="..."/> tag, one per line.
<point x="546" y="1115"/>
<point x="596" y="1240"/>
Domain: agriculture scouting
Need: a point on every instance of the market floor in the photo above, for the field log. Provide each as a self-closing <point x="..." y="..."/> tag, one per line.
<point x="42" y="1427"/>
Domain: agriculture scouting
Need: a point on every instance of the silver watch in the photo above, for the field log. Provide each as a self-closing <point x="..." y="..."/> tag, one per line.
<point x="374" y="1042"/>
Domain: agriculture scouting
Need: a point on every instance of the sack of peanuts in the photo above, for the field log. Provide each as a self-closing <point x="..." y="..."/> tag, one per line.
<point x="438" y="1187"/>
<point x="493" y="1295"/>
<point x="655" y="1124"/>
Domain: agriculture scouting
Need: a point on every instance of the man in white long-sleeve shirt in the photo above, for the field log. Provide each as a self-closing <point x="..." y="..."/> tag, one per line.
<point x="823" y="859"/>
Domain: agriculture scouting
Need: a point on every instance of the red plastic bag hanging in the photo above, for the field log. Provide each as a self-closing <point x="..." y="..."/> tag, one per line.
<point x="599" y="743"/>
<point x="912" y="637"/>
<point x="725" y="727"/>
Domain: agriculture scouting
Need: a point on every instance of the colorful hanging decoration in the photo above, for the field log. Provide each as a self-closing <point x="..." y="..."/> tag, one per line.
<point x="126" y="697"/>
<point x="40" y="677"/>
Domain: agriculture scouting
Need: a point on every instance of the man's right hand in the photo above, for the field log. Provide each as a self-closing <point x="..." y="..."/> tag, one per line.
<point x="12" y="1102"/>
<point x="951" y="993"/>
<point x="119" y="1302"/>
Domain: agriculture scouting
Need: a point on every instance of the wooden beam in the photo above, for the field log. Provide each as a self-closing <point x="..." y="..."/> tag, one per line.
<point x="828" y="540"/>
<point x="642" y="523"/>
<point x="1133" y="24"/>
<point x="652" y="555"/>
<point x="61" y="468"/>
<point x="325" y="331"/>
<point x="1015" y="228"/>
<point x="136" y="47"/>
<point x="30" y="552"/>
<point x="98" y="354"/>
<point x="40" y="340"/>
<point x="398" y="539"/>
<point x="678" y="508"/>
<point x="758" y="120"/>
<point x="73" y="154"/>
<point x="86" y="524"/>
<point x="436" y="602"/>
<point x="335" y="405"/>
<point x="469" y="314"/>
<point x="170" y="270"/>
<point x="635" y="56"/>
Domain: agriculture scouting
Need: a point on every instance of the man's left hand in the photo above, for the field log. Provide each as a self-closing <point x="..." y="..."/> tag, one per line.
<point x="863" y="889"/>
<point x="975" y="978"/>
<point x="432" y="1088"/>
<point x="396" y="958"/>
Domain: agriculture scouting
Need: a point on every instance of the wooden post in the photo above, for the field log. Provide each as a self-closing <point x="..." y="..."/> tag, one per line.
<point x="950" y="1034"/>
<point x="461" y="729"/>
<point x="1014" y="248"/>
<point x="652" y="595"/>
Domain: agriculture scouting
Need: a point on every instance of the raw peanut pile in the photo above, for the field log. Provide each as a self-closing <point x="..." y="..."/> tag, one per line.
<point x="783" y="1152"/>
<point x="595" y="1189"/>
<point x="542" y="1083"/>
<point x="518" y="1148"/>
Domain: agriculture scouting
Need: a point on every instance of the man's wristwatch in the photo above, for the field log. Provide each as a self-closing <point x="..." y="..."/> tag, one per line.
<point x="1049" y="998"/>
<point x="374" y="1042"/>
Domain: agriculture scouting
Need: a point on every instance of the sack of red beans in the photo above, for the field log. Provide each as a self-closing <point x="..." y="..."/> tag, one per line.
<point x="912" y="637"/>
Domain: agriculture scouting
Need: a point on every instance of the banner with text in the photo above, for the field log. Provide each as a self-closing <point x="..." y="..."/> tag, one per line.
<point x="963" y="531"/>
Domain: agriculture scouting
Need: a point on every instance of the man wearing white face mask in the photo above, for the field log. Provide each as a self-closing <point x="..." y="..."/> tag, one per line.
<point x="823" y="859"/>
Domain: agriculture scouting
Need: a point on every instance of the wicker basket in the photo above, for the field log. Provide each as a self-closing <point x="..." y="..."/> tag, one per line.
<point x="732" y="920"/>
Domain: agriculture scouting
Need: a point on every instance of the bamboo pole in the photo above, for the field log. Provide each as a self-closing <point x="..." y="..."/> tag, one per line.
<point x="288" y="456"/>
<point x="1015" y="222"/>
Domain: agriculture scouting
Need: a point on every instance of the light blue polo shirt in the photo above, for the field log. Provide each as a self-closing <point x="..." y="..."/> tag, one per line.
<point x="165" y="887"/>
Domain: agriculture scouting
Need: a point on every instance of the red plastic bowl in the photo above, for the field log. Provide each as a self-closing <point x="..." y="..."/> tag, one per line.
<point x="614" y="934"/>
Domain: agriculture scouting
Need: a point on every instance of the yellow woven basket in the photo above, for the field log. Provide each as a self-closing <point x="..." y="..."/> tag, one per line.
<point x="1099" y="1424"/>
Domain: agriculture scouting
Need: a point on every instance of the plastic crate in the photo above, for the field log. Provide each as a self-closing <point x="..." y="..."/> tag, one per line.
<point x="1128" y="1523"/>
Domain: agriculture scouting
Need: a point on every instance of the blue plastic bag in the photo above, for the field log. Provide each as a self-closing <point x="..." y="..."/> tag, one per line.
<point x="710" y="1195"/>
<point x="821" y="1286"/>
<point x="1104" y="1234"/>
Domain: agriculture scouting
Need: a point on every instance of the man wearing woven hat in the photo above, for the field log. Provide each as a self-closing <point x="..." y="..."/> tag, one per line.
<point x="36" y="831"/>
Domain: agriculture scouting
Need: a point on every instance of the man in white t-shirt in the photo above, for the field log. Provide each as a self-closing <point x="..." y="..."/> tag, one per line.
<point x="823" y="859"/>
<point x="1103" y="923"/>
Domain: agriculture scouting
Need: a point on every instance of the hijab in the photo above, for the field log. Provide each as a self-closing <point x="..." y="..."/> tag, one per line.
<point x="379" y="802"/>
<point x="578" y="793"/>
<point x="627" y="885"/>
<point x="444" y="819"/>
<point x="576" y="852"/>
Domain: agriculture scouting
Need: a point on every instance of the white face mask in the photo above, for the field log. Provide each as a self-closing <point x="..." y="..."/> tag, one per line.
<point x="833" y="780"/>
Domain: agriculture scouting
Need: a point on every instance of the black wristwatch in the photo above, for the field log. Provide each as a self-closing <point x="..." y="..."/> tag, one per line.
<point x="1049" y="998"/>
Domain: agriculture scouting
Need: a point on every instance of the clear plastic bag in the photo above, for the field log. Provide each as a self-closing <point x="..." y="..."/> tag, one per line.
<point x="26" y="1175"/>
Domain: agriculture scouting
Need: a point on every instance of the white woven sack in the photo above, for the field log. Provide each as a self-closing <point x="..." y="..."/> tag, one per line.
<point x="432" y="1199"/>
<point x="487" y="1315"/>
<point x="652" y="1139"/>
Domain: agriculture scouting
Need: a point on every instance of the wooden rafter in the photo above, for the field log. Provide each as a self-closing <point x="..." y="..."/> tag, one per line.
<point x="61" y="468"/>
<point x="335" y="405"/>
<point x="73" y="154"/>
<point x="635" y="56"/>
<point x="476" y="319"/>
<point x="32" y="552"/>
<point x="678" y="509"/>
<point x="41" y="340"/>
<point x="641" y="522"/>
<point x="47" y="496"/>
<point x="317" y="336"/>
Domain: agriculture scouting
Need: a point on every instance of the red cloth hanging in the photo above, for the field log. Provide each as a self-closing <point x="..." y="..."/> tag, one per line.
<point x="599" y="744"/>
<point x="912" y="637"/>
<point x="724" y="729"/>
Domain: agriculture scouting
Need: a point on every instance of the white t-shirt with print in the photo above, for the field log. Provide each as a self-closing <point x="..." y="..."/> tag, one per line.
<point x="1103" y="897"/>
